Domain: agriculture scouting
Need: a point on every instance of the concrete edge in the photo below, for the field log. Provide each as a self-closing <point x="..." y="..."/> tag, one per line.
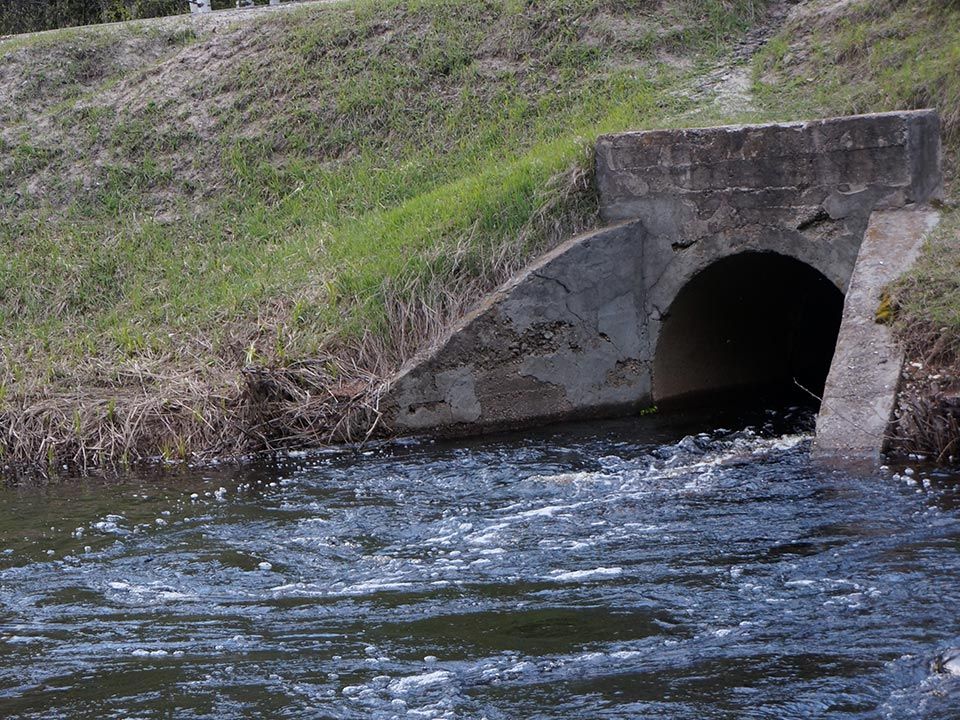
<point x="860" y="395"/>
<point x="812" y="122"/>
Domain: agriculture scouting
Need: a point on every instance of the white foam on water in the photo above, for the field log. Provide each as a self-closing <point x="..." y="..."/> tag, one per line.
<point x="415" y="683"/>
<point x="627" y="654"/>
<point x="144" y="652"/>
<point x="156" y="592"/>
<point x="570" y="478"/>
<point x="580" y="575"/>
<point x="490" y="537"/>
<point x="20" y="640"/>
<point x="369" y="587"/>
<point x="110" y="525"/>
<point x="547" y="511"/>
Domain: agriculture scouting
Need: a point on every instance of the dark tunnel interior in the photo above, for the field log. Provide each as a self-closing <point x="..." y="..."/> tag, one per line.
<point x="753" y="323"/>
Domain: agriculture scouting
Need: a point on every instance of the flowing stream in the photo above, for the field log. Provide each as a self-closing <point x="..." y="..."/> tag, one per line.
<point x="637" y="569"/>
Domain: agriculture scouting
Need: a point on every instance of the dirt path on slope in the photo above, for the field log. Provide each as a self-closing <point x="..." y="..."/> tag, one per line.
<point x="727" y="87"/>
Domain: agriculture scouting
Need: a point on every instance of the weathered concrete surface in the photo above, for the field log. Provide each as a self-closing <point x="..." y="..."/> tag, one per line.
<point x="696" y="183"/>
<point x="861" y="387"/>
<point x="576" y="333"/>
<point x="563" y="339"/>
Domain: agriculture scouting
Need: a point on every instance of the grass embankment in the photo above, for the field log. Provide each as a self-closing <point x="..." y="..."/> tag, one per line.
<point x="875" y="55"/>
<point x="220" y="239"/>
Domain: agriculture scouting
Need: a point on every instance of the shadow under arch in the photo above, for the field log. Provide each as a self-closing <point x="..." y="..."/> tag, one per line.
<point x="752" y="321"/>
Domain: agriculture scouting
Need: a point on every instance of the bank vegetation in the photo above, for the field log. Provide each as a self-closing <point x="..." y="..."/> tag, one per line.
<point x="221" y="237"/>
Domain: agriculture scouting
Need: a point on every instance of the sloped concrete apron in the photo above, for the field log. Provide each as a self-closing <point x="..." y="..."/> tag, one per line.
<point x="574" y="335"/>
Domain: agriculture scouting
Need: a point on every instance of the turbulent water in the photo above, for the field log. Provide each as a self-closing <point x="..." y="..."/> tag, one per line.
<point x="609" y="571"/>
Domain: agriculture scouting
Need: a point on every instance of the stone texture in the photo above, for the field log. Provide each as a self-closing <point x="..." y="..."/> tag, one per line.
<point x="861" y="388"/>
<point x="575" y="334"/>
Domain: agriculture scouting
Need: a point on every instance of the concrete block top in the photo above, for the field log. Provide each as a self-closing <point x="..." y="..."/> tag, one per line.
<point x="843" y="164"/>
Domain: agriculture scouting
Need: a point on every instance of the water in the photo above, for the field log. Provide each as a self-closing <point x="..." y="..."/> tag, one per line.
<point x="603" y="571"/>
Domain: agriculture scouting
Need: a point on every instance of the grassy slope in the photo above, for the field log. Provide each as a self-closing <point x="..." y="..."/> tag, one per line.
<point x="329" y="182"/>
<point x="874" y="55"/>
<point x="319" y="192"/>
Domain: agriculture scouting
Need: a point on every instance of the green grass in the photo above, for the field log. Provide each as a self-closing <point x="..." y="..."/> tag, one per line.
<point x="343" y="181"/>
<point x="931" y="291"/>
<point x="57" y="69"/>
<point x="358" y="157"/>
<point x="877" y="55"/>
<point x="327" y="182"/>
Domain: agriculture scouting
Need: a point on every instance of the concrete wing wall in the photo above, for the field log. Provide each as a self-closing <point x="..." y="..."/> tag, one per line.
<point x="862" y="386"/>
<point x="564" y="339"/>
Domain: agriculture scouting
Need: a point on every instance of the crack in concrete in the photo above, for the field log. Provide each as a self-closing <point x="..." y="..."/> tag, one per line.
<point x="650" y="288"/>
<point x="566" y="299"/>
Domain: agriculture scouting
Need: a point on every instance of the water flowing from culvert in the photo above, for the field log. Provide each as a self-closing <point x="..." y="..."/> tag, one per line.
<point x="604" y="571"/>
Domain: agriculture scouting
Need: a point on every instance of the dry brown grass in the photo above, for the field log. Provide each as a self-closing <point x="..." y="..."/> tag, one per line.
<point x="169" y="410"/>
<point x="181" y="417"/>
<point x="926" y="302"/>
<point x="927" y="414"/>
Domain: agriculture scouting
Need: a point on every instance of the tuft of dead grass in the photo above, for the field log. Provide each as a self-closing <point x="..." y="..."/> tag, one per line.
<point x="175" y="417"/>
<point x="926" y="308"/>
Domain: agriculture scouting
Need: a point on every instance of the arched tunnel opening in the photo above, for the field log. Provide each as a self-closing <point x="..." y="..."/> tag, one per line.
<point x="754" y="326"/>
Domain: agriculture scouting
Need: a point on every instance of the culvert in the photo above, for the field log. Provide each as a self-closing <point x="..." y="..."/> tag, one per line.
<point x="605" y="324"/>
<point x="756" y="321"/>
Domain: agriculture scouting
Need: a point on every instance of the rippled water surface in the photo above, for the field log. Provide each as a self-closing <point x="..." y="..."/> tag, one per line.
<point x="610" y="571"/>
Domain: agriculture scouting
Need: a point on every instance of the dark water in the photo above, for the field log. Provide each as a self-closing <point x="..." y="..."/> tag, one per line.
<point x="610" y="571"/>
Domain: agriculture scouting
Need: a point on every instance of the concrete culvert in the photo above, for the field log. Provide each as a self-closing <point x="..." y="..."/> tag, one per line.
<point x="704" y="278"/>
<point x="753" y="321"/>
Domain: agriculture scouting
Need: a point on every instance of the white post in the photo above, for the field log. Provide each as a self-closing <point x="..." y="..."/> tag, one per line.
<point x="199" y="6"/>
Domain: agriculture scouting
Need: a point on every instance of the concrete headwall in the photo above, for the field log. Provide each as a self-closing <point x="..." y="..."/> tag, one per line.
<point x="802" y="189"/>
<point x="575" y="334"/>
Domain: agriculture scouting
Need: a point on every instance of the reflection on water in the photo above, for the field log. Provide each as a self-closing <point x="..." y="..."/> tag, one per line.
<point x="618" y="570"/>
